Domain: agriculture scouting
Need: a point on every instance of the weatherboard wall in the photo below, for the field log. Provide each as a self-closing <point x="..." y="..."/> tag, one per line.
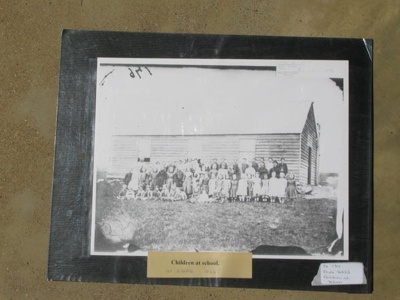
<point x="127" y="149"/>
<point x="309" y="141"/>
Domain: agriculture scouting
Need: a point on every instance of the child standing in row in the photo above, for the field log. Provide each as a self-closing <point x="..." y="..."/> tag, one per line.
<point x="234" y="188"/>
<point x="218" y="187"/>
<point x="212" y="185"/>
<point x="226" y="187"/>
<point x="195" y="188"/>
<point x="205" y="183"/>
<point x="242" y="188"/>
<point x="265" y="188"/>
<point x="250" y="184"/>
<point x="282" y="187"/>
<point x="277" y="187"/>
<point x="187" y="184"/>
<point x="256" y="187"/>
<point x="273" y="187"/>
<point x="291" y="190"/>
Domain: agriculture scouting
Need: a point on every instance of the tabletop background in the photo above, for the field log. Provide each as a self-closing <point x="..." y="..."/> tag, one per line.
<point x="30" y="37"/>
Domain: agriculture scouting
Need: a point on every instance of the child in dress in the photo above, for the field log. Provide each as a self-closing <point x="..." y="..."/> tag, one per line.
<point x="226" y="187"/>
<point x="291" y="190"/>
<point x="242" y="188"/>
<point x="249" y="178"/>
<point x="133" y="184"/>
<point x="211" y="185"/>
<point x="164" y="192"/>
<point x="143" y="176"/>
<point x="231" y="171"/>
<point x="214" y="170"/>
<point x="234" y="188"/>
<point x="170" y="177"/>
<point x="201" y="180"/>
<point x="282" y="187"/>
<point x="205" y="183"/>
<point x="265" y="188"/>
<point x="273" y="187"/>
<point x="223" y="170"/>
<point x="218" y="187"/>
<point x="195" y="187"/>
<point x="187" y="183"/>
<point x="257" y="187"/>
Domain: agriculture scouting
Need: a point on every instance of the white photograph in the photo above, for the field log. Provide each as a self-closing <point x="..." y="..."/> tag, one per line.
<point x="221" y="155"/>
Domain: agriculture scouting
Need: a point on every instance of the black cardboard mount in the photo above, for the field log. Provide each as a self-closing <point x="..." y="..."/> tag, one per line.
<point x="69" y="258"/>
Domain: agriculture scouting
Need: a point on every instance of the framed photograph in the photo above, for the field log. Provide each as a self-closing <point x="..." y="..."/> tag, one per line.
<point x="213" y="160"/>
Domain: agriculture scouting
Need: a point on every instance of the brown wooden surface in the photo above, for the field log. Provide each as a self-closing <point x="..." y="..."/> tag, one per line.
<point x="30" y="34"/>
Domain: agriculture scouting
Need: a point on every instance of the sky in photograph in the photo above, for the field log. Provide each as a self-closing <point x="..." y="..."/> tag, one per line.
<point x="186" y="101"/>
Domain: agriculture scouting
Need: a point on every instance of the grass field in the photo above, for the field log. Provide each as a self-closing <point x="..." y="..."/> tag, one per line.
<point x="183" y="226"/>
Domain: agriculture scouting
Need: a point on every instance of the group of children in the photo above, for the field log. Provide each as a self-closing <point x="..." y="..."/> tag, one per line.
<point x="214" y="181"/>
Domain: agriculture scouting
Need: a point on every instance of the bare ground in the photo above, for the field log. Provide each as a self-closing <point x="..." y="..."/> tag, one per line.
<point x="182" y="226"/>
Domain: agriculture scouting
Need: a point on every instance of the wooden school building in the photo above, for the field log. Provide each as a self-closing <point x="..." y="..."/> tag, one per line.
<point x="287" y="130"/>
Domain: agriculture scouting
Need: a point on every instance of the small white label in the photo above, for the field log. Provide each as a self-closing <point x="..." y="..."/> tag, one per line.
<point x="342" y="273"/>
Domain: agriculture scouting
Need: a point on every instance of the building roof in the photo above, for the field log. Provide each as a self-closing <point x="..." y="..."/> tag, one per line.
<point x="274" y="118"/>
<point x="279" y="117"/>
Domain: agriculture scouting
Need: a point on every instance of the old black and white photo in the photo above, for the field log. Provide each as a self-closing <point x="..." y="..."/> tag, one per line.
<point x="221" y="155"/>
